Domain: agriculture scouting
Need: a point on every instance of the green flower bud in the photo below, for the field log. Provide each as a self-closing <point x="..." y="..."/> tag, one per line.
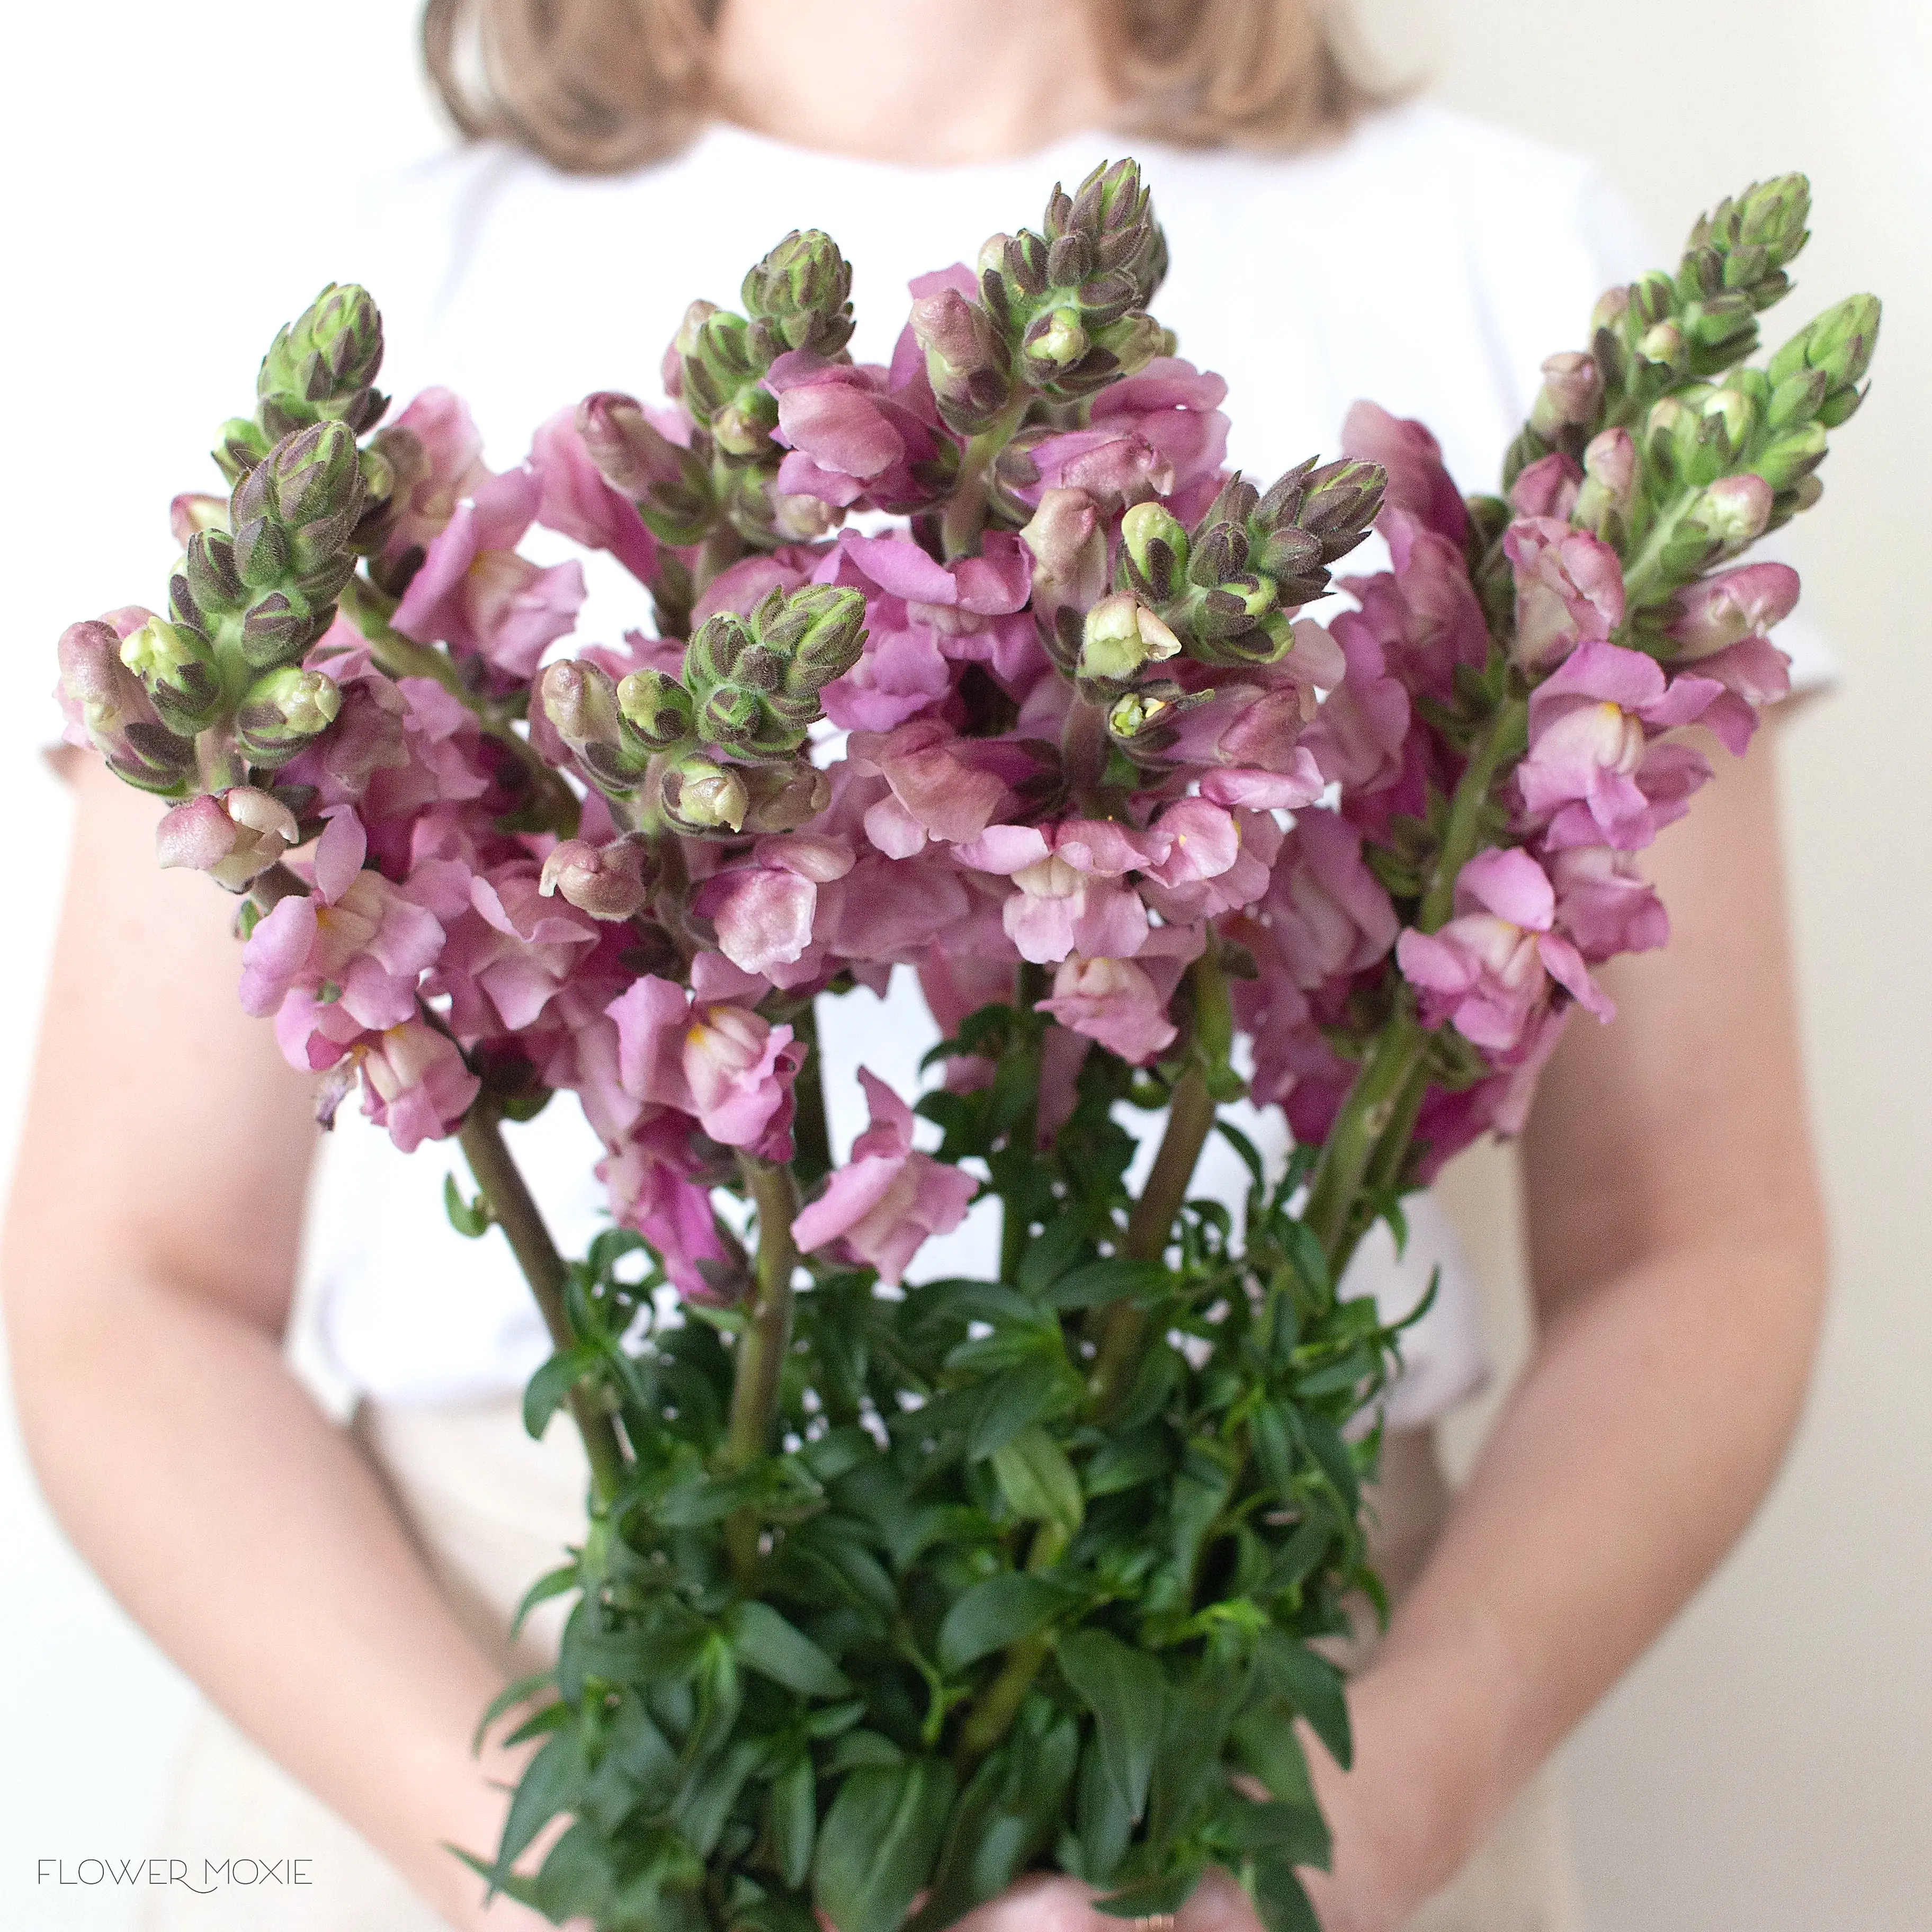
<point x="240" y="445"/>
<point x="819" y="628"/>
<point x="283" y="710"/>
<point x="580" y="701"/>
<point x="1744" y="244"/>
<point x="1732" y="410"/>
<point x="1838" y="345"/>
<point x="1121" y="635"/>
<point x="1154" y="544"/>
<point x="211" y="585"/>
<point x="1735" y="510"/>
<point x="671" y="487"/>
<point x="1343" y="499"/>
<point x="177" y="670"/>
<point x="281" y="625"/>
<point x="701" y="796"/>
<point x="657" y="709"/>
<point x="139" y="749"/>
<point x="803" y="289"/>
<point x="323" y="365"/>
<point x="1793" y="456"/>
<point x="1057" y="338"/>
<point x="1664" y="345"/>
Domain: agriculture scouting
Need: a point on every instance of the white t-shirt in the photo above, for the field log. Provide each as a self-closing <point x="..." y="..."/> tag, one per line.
<point x="1426" y="262"/>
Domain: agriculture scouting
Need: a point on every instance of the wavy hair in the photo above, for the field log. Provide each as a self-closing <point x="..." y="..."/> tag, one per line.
<point x="596" y="86"/>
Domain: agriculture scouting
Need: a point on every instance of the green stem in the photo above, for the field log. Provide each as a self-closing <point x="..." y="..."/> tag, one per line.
<point x="762" y="1348"/>
<point x="1190" y="1119"/>
<point x="966" y="508"/>
<point x="515" y="1211"/>
<point x="1366" y="1114"/>
<point x="810" y="1129"/>
<point x="1386" y="1160"/>
<point x="1506" y="728"/>
<point x="999" y="1704"/>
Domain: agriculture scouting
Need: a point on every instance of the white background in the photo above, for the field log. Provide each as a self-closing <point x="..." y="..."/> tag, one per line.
<point x="1770" y="1766"/>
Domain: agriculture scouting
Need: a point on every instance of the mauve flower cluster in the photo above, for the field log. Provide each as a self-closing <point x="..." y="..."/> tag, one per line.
<point x="979" y="664"/>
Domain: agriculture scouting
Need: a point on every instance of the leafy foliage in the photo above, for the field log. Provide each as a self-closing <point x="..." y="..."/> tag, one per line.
<point x="989" y="1627"/>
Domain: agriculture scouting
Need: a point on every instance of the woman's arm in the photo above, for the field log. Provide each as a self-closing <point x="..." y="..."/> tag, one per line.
<point x="149" y="1260"/>
<point x="1677" y="1251"/>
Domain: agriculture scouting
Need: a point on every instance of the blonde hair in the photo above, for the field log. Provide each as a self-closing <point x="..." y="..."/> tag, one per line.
<point x="595" y="86"/>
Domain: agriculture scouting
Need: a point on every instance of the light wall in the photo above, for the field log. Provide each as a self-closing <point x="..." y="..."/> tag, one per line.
<point x="1770" y="1766"/>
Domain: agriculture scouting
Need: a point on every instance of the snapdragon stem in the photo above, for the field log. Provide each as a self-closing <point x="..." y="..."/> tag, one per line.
<point x="515" y="1211"/>
<point x="1371" y="1111"/>
<point x="1507" y="725"/>
<point x="760" y="1355"/>
<point x="965" y="516"/>
<point x="1190" y="1119"/>
<point x="999" y="1704"/>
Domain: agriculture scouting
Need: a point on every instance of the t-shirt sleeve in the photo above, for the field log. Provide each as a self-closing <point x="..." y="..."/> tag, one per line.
<point x="1618" y="244"/>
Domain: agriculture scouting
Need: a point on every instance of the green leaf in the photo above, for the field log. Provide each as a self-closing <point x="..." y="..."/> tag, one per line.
<point x="1265" y="1741"/>
<point x="1125" y="1689"/>
<point x="1037" y="1481"/>
<point x="549" y="1783"/>
<point x="1051" y="1253"/>
<point x="781" y="1651"/>
<point x="1014" y="1401"/>
<point x="705" y="1800"/>
<point x="792" y="1819"/>
<point x="1114" y="1280"/>
<point x="471" y="1219"/>
<point x="877" y="1846"/>
<point x="700" y="1499"/>
<point x="1249" y="1154"/>
<point x="510" y="1695"/>
<point x="552" y="1583"/>
<point x="1313" y="1685"/>
<point x="1280" y="1903"/>
<point x="1273" y="1444"/>
<point x="1125" y="1462"/>
<point x="577" y="1878"/>
<point x="992" y="1615"/>
<point x="547" y="1390"/>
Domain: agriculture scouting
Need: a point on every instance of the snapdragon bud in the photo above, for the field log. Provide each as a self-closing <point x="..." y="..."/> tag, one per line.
<point x="965" y="360"/>
<point x="670" y="486"/>
<point x="1719" y="611"/>
<point x="1056" y="339"/>
<point x="609" y="882"/>
<point x="1342" y="500"/>
<point x="234" y="837"/>
<point x="114" y="711"/>
<point x="1154" y="543"/>
<point x="701" y="796"/>
<point x="1839" y="345"/>
<point x="1572" y="392"/>
<point x="1793" y="456"/>
<point x="819" y="629"/>
<point x="1120" y="636"/>
<point x="1744" y="244"/>
<point x="323" y="365"/>
<point x="1609" y="479"/>
<point x="1734" y="411"/>
<point x="282" y="710"/>
<point x="177" y="670"/>
<point x="657" y="709"/>
<point x="1735" y="509"/>
<point x="1664" y="345"/>
<point x="579" y="699"/>
<point x="802" y="289"/>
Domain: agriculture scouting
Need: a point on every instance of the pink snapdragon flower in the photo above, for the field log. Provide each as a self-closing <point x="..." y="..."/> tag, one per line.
<point x="1492" y="971"/>
<point x="342" y="960"/>
<point x="1569" y="589"/>
<point x="1718" y="611"/>
<point x="1071" y="894"/>
<point x="939" y="786"/>
<point x="414" y="1083"/>
<point x="475" y="594"/>
<point x="922" y="616"/>
<point x="855" y="433"/>
<point x="1604" y="904"/>
<point x="1215" y="861"/>
<point x="649" y="1178"/>
<point x="1547" y="487"/>
<point x="233" y="836"/>
<point x="511" y="949"/>
<point x="1117" y="1002"/>
<point x="763" y="912"/>
<point x="1326" y="914"/>
<point x="1419" y="486"/>
<point x="450" y="467"/>
<point x="722" y="1063"/>
<point x="573" y="499"/>
<point x="1593" y="774"/>
<point x="881" y="1206"/>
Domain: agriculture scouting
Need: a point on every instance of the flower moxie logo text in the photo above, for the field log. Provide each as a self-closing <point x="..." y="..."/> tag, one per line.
<point x="204" y="1875"/>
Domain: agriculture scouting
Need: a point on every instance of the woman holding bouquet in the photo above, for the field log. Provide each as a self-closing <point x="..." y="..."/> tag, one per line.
<point x="341" y="1595"/>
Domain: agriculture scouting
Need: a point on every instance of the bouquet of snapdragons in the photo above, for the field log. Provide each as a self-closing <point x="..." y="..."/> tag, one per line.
<point x="893" y="1588"/>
